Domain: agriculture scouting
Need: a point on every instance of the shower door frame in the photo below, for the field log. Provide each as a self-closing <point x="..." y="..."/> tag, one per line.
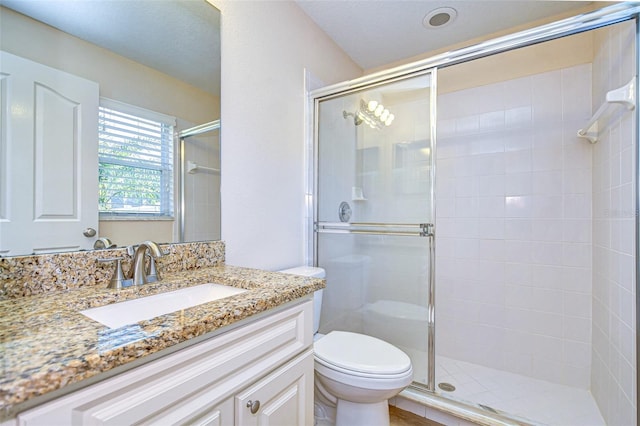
<point x="181" y="137"/>
<point x="581" y="23"/>
<point x="423" y="229"/>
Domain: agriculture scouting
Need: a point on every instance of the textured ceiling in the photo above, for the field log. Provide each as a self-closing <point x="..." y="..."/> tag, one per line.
<point x="178" y="37"/>
<point x="379" y="32"/>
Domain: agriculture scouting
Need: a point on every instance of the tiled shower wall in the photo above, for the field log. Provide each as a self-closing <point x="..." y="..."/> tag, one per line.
<point x="613" y="377"/>
<point x="513" y="203"/>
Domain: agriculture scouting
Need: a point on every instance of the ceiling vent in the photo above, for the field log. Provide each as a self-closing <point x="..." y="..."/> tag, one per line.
<point x="439" y="18"/>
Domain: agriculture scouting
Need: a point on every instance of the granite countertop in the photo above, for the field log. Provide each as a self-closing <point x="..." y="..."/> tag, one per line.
<point x="46" y="344"/>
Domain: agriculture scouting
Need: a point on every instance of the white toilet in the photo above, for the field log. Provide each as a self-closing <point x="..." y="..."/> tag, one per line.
<point x="355" y="374"/>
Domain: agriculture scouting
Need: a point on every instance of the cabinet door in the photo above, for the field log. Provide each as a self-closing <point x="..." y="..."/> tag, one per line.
<point x="220" y="415"/>
<point x="283" y="398"/>
<point x="191" y="386"/>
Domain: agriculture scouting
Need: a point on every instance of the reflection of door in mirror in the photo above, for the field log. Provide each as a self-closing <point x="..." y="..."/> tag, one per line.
<point x="172" y="68"/>
<point x="48" y="187"/>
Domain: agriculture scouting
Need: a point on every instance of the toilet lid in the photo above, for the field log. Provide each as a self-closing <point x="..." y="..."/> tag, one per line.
<point x="361" y="353"/>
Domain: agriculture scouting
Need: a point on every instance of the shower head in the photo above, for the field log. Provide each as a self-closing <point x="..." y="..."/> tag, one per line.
<point x="357" y="120"/>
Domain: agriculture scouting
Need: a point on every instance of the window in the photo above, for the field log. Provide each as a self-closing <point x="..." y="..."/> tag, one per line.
<point x="135" y="155"/>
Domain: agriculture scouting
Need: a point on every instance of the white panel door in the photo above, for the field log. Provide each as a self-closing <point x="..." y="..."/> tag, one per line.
<point x="48" y="158"/>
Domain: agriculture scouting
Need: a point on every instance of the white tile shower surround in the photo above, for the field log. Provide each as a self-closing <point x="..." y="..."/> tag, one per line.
<point x="513" y="194"/>
<point x="613" y="373"/>
<point x="536" y="401"/>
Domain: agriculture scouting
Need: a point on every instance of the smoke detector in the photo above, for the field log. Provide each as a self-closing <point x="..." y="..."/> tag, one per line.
<point x="439" y="18"/>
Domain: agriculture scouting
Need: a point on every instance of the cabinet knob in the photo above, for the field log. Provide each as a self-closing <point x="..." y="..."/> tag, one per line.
<point x="254" y="406"/>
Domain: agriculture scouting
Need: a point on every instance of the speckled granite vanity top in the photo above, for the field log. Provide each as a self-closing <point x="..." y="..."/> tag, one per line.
<point x="47" y="344"/>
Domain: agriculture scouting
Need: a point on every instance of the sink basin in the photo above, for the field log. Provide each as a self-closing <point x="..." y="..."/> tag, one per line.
<point x="129" y="312"/>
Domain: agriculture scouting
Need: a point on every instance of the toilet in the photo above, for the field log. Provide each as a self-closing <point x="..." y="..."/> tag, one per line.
<point x="355" y="374"/>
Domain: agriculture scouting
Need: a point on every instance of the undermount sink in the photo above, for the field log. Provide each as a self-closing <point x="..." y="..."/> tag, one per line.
<point x="131" y="311"/>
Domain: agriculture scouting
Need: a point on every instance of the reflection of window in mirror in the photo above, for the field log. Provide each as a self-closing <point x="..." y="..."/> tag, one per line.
<point x="411" y="167"/>
<point x="135" y="151"/>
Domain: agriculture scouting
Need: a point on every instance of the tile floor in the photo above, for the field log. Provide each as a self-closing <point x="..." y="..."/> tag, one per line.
<point x="536" y="401"/>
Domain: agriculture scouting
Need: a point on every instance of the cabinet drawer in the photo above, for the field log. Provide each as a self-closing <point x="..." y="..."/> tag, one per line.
<point x="189" y="381"/>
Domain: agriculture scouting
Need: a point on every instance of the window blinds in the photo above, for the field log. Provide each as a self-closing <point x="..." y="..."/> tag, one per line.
<point x="135" y="155"/>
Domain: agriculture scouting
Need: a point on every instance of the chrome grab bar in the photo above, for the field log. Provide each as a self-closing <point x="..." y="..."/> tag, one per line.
<point x="421" y="229"/>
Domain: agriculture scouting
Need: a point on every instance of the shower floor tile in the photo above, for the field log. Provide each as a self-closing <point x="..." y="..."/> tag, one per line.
<point x="536" y="401"/>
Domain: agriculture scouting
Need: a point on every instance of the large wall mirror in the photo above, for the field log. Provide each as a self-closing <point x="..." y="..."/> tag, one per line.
<point x="161" y="57"/>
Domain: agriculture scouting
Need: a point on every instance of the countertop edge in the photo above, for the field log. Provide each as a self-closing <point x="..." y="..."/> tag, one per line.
<point x="160" y="336"/>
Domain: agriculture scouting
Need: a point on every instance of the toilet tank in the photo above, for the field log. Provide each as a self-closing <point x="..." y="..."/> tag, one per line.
<point x="313" y="272"/>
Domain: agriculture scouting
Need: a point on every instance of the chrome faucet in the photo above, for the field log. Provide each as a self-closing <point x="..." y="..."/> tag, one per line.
<point x="138" y="272"/>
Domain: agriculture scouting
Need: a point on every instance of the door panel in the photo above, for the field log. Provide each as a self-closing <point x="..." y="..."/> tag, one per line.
<point x="377" y="251"/>
<point x="49" y="187"/>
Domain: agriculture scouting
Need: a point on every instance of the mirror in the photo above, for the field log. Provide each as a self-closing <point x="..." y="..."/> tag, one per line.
<point x="162" y="56"/>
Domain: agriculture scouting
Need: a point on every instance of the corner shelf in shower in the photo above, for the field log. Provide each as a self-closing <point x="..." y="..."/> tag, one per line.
<point x="357" y="194"/>
<point x="625" y="95"/>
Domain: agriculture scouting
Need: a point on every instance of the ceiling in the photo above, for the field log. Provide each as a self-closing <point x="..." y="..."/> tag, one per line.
<point x="379" y="32"/>
<point x="178" y="37"/>
<point x="181" y="37"/>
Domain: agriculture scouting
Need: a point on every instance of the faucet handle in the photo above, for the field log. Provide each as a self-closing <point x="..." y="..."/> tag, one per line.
<point x="117" y="279"/>
<point x="153" y="274"/>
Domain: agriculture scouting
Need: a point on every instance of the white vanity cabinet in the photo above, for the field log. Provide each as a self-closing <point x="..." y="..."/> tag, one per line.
<point x="259" y="373"/>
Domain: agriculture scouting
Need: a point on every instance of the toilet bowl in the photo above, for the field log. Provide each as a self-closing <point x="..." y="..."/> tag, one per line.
<point x="355" y="374"/>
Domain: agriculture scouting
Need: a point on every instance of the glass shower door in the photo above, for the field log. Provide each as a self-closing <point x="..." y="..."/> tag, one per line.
<point x="374" y="214"/>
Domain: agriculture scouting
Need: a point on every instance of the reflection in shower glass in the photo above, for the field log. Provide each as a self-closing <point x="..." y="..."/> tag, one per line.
<point x="377" y="282"/>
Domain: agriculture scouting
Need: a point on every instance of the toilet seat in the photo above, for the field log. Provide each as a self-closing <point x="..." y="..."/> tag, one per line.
<point x="361" y="355"/>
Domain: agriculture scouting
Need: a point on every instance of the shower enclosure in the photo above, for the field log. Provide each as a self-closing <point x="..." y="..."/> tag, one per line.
<point x="527" y="311"/>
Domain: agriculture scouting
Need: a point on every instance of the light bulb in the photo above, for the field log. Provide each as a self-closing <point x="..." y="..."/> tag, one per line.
<point x="379" y="110"/>
<point x="389" y="120"/>
<point x="372" y="105"/>
<point x="384" y="115"/>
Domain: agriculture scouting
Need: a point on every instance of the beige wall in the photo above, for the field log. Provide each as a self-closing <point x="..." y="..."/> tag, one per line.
<point x="266" y="48"/>
<point x="553" y="55"/>
<point x="128" y="232"/>
<point x="119" y="78"/>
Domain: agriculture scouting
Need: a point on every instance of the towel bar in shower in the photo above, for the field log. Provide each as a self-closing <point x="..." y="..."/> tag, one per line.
<point x="372" y="228"/>
<point x="192" y="168"/>
<point x="625" y="95"/>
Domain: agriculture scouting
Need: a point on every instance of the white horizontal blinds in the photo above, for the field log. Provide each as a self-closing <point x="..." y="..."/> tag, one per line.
<point x="135" y="154"/>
